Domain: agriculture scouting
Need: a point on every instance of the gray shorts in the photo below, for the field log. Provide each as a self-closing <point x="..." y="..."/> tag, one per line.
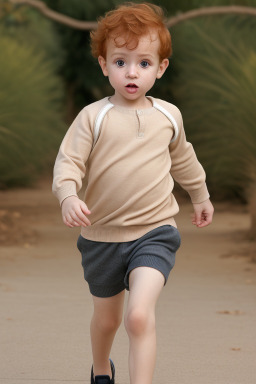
<point x="107" y="265"/>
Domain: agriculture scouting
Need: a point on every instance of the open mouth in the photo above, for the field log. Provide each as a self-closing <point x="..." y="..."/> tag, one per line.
<point x="131" y="85"/>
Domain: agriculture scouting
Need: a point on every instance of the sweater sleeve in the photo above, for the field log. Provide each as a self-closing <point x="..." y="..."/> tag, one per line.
<point x="186" y="169"/>
<point x="70" y="164"/>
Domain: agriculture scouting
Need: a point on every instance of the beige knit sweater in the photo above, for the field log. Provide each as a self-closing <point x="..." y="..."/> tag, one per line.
<point x="129" y="170"/>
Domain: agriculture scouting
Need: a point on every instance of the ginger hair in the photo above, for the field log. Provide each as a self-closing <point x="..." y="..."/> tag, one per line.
<point x="130" y="21"/>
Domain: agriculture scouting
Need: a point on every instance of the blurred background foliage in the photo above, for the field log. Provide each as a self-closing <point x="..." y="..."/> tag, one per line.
<point x="216" y="89"/>
<point x="31" y="96"/>
<point x="47" y="74"/>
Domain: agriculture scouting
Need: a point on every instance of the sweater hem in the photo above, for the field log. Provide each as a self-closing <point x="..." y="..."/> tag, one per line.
<point x="116" y="234"/>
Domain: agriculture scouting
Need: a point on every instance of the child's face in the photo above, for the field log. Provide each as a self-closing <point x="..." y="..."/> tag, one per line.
<point x="132" y="73"/>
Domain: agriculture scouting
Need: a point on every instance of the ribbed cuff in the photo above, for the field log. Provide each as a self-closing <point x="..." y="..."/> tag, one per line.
<point x="69" y="189"/>
<point x="199" y="195"/>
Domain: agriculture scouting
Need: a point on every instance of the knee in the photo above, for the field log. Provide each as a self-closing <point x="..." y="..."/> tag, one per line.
<point x="138" y="321"/>
<point x="107" y="324"/>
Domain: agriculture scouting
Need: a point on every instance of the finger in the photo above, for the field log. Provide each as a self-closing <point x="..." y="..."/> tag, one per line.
<point x="84" y="221"/>
<point x="82" y="218"/>
<point x="193" y="219"/>
<point x="73" y="221"/>
<point x="197" y="218"/>
<point x="206" y="221"/>
<point x="203" y="224"/>
<point x="85" y="210"/>
<point x="67" y="223"/>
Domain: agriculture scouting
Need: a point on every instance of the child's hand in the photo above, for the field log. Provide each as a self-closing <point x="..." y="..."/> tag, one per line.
<point x="203" y="214"/>
<point x="74" y="212"/>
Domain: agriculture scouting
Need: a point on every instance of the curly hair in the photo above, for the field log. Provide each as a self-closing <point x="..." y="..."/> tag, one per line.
<point x="131" y="21"/>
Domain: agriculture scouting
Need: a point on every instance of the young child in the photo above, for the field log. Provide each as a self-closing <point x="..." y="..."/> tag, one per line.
<point x="130" y="147"/>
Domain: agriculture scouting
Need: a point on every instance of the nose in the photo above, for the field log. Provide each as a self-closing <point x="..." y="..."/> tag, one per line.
<point x="132" y="72"/>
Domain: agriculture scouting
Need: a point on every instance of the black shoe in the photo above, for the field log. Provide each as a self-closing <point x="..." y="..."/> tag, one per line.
<point x="104" y="379"/>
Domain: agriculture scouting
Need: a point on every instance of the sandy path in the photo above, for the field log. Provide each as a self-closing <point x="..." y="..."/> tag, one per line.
<point x="206" y="313"/>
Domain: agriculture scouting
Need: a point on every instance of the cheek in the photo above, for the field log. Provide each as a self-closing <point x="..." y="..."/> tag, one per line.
<point x="114" y="80"/>
<point x="151" y="77"/>
<point x="114" y="77"/>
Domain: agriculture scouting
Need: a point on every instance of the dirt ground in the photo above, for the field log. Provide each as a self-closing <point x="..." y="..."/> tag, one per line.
<point x="206" y="314"/>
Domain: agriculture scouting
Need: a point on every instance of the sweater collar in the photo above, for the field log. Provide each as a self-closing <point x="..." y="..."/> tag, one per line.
<point x="143" y="111"/>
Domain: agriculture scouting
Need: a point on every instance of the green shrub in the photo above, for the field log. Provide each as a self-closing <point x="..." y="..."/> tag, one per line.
<point x="216" y="90"/>
<point x="31" y="124"/>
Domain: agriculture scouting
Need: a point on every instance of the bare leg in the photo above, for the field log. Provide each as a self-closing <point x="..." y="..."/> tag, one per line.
<point x="145" y="287"/>
<point x="105" y="322"/>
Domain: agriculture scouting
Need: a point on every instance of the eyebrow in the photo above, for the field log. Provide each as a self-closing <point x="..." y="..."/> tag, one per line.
<point x="125" y="54"/>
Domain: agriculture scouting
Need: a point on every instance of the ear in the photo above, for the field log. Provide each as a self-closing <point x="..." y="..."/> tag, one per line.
<point x="162" y="67"/>
<point x="103" y="65"/>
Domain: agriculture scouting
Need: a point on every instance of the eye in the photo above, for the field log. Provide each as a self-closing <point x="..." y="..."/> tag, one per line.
<point x="120" y="63"/>
<point x="144" y="64"/>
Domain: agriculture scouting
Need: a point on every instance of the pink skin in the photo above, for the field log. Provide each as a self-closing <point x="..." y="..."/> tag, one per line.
<point x="203" y="214"/>
<point x="133" y="72"/>
<point x="74" y="212"/>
